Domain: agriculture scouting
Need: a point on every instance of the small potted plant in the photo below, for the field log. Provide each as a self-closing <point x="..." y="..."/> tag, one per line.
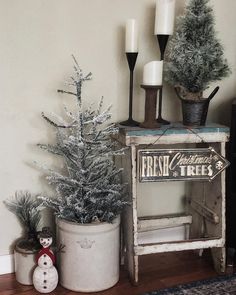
<point x="27" y="210"/>
<point x="89" y="195"/>
<point x="194" y="60"/>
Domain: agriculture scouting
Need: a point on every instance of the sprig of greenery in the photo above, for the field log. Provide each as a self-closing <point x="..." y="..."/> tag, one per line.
<point x="27" y="210"/>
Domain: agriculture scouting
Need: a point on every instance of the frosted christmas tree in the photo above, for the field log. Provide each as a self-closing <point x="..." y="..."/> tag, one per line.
<point x="90" y="190"/>
<point x="195" y="55"/>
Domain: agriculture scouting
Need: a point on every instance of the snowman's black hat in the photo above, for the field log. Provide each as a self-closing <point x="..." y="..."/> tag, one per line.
<point x="45" y="233"/>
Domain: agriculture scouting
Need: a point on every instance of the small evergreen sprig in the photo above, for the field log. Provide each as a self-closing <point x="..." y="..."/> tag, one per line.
<point x="91" y="189"/>
<point x="26" y="207"/>
<point x="195" y="56"/>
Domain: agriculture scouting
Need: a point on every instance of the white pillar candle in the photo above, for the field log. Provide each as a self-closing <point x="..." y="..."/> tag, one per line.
<point x="165" y="17"/>
<point x="131" y="36"/>
<point x="152" y="73"/>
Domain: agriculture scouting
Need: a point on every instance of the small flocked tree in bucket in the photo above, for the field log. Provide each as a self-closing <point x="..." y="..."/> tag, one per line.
<point x="89" y="194"/>
<point x="195" y="58"/>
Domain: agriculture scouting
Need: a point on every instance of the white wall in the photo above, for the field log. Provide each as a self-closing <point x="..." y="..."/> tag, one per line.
<point x="37" y="38"/>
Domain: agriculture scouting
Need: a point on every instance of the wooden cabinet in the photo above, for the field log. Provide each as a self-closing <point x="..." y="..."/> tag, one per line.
<point x="205" y="202"/>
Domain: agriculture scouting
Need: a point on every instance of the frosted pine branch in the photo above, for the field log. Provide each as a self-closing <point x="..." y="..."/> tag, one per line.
<point x="27" y="209"/>
<point x="90" y="188"/>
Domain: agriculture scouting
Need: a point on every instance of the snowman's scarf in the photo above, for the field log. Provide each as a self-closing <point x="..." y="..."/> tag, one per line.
<point x="48" y="252"/>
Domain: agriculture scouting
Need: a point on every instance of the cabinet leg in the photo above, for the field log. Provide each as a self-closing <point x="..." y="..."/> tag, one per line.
<point x="219" y="259"/>
<point x="230" y="257"/>
<point x="132" y="261"/>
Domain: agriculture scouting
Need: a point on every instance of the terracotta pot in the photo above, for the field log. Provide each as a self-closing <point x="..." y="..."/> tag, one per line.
<point x="24" y="265"/>
<point x="90" y="259"/>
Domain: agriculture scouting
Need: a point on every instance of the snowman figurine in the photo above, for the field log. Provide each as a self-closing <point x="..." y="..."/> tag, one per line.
<point x="45" y="276"/>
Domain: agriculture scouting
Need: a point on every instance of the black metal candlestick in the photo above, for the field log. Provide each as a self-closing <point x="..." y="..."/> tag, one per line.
<point x="162" y="41"/>
<point x="131" y="58"/>
<point x="150" y="106"/>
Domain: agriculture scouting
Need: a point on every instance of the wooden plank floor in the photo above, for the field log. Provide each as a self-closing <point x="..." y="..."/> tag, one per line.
<point x="156" y="271"/>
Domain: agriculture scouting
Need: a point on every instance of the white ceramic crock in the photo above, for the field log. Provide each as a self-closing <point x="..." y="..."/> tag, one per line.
<point x="24" y="265"/>
<point x="90" y="259"/>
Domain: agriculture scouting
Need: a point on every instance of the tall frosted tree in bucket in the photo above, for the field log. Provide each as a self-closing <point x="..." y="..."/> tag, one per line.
<point x="89" y="193"/>
<point x="195" y="56"/>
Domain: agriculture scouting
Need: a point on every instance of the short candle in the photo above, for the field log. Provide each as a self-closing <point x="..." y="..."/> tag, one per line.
<point x="152" y="73"/>
<point x="131" y="36"/>
<point x="165" y="16"/>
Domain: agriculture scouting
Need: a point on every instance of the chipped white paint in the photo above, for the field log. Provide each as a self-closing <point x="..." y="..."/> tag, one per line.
<point x="209" y="198"/>
<point x="205" y="211"/>
<point x="158" y="222"/>
<point x="178" y="246"/>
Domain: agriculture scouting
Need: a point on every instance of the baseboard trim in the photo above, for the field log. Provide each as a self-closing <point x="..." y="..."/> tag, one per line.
<point x="7" y="264"/>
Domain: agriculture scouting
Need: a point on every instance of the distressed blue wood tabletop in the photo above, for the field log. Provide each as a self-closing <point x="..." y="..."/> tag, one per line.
<point x="174" y="128"/>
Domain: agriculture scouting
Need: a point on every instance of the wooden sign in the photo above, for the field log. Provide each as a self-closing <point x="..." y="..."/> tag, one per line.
<point x="180" y="164"/>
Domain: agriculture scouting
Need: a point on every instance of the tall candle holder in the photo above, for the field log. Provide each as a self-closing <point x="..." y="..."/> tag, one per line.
<point x="150" y="106"/>
<point x="162" y="41"/>
<point x="131" y="58"/>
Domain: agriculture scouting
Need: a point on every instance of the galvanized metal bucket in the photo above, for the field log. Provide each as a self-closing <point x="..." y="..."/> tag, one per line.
<point x="194" y="112"/>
